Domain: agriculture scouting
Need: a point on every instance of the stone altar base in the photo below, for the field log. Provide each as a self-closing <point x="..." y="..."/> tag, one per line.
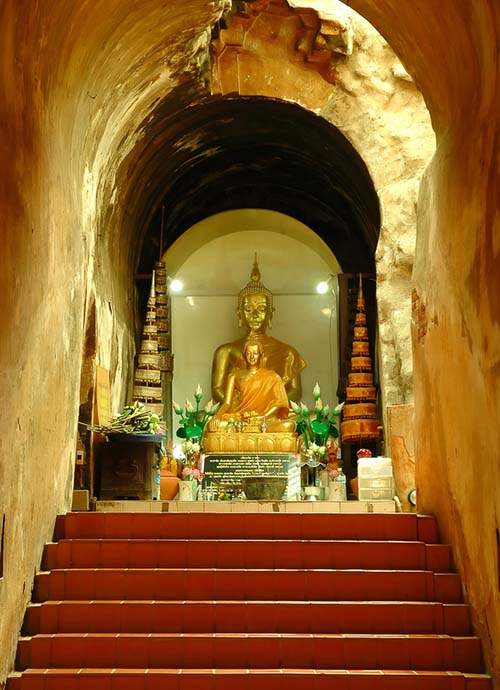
<point x="250" y="442"/>
<point x="225" y="470"/>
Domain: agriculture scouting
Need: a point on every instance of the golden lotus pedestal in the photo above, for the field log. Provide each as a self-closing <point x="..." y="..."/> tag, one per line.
<point x="250" y="442"/>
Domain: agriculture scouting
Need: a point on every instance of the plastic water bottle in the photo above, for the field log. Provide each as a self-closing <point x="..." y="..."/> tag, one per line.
<point x="342" y="485"/>
<point x="156" y="485"/>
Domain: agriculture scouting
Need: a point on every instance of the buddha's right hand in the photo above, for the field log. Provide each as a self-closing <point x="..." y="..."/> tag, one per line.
<point x="213" y="424"/>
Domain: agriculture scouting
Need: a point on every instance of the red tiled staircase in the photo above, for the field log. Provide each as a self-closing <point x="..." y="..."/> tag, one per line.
<point x="207" y="601"/>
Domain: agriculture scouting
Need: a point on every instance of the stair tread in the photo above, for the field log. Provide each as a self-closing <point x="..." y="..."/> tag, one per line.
<point x="246" y="602"/>
<point x="242" y="540"/>
<point x="246" y="553"/>
<point x="252" y="650"/>
<point x="220" y="670"/>
<point x="255" y="679"/>
<point x="121" y="569"/>
<point x="199" y="525"/>
<point x="245" y="635"/>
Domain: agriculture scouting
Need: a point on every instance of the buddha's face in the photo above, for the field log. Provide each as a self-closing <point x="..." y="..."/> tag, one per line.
<point x="253" y="354"/>
<point x="255" y="312"/>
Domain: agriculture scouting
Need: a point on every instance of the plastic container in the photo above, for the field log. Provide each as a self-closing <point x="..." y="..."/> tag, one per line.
<point x="375" y="479"/>
<point x="375" y="494"/>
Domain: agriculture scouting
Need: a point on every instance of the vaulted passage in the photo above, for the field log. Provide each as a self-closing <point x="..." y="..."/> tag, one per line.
<point x="231" y="153"/>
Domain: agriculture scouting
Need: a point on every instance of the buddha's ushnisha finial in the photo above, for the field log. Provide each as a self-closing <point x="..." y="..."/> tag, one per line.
<point x="255" y="274"/>
<point x="255" y="286"/>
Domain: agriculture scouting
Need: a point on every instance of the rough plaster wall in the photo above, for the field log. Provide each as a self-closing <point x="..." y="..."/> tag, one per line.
<point x="453" y="55"/>
<point x="377" y="106"/>
<point x="457" y="363"/>
<point x="41" y="315"/>
<point x="78" y="85"/>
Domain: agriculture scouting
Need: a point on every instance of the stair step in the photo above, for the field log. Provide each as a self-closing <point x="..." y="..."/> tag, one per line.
<point x="395" y="526"/>
<point x="236" y="650"/>
<point x="235" y="553"/>
<point x="228" y="679"/>
<point x="247" y="616"/>
<point x="279" y="585"/>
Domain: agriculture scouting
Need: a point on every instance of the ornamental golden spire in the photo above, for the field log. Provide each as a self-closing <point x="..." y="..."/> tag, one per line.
<point x="359" y="414"/>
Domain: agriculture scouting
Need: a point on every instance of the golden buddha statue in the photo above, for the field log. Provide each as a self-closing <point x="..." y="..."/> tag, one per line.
<point x="254" y="415"/>
<point x="255" y="398"/>
<point x="255" y="311"/>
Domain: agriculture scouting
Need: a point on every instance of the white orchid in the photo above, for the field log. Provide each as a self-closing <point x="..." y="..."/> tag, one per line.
<point x="304" y="409"/>
<point x="189" y="447"/>
<point x="211" y="407"/>
<point x="317" y="428"/>
<point x="193" y="418"/>
<point x="338" y="409"/>
<point x="316" y="391"/>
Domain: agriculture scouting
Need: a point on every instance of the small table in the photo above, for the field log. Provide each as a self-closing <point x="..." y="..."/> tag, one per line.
<point x="127" y="463"/>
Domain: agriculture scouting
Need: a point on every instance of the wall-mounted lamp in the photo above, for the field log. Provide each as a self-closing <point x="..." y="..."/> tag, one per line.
<point x="175" y="285"/>
<point x="324" y="286"/>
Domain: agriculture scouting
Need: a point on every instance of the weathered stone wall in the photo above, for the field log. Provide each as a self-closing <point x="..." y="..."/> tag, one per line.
<point x="456" y="311"/>
<point x="42" y="294"/>
<point x="77" y="87"/>
<point x="377" y="106"/>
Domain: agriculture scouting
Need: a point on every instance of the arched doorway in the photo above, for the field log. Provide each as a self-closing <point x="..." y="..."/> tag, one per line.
<point x="231" y="153"/>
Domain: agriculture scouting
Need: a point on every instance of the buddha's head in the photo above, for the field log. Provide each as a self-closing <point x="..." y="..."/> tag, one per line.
<point x="252" y="352"/>
<point x="255" y="303"/>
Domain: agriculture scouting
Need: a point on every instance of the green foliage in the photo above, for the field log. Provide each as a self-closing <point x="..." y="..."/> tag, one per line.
<point x="193" y="418"/>
<point x="315" y="431"/>
<point x="134" y="419"/>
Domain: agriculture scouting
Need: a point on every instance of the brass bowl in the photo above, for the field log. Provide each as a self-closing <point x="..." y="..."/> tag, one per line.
<point x="264" y="488"/>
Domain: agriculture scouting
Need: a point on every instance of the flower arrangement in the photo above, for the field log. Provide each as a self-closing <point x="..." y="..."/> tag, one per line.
<point x="134" y="419"/>
<point x="318" y="434"/>
<point x="193" y="419"/>
<point x="333" y="472"/>
<point x="190" y="464"/>
<point x="192" y="474"/>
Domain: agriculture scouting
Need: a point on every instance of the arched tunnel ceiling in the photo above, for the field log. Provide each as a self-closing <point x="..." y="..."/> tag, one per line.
<point x="248" y="152"/>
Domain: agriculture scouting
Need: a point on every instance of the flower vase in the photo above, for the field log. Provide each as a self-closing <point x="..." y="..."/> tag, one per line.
<point x="188" y="490"/>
